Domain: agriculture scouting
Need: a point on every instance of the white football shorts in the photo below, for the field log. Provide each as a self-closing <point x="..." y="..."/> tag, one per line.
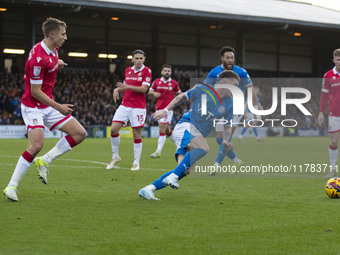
<point x="183" y="133"/>
<point x="39" y="118"/>
<point x="333" y="124"/>
<point x="219" y="127"/>
<point x="136" y="116"/>
<point x="167" y="118"/>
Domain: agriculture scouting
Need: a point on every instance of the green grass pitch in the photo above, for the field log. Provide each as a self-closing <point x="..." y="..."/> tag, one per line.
<point x="86" y="209"/>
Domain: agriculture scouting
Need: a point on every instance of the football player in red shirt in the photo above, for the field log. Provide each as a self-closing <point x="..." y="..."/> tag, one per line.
<point x="39" y="110"/>
<point x="164" y="89"/>
<point x="133" y="107"/>
<point x="331" y="89"/>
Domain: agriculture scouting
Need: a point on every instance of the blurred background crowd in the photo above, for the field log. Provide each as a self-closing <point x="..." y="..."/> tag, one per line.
<point x="91" y="94"/>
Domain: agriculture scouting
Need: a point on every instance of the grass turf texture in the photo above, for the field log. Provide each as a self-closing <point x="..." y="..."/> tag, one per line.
<point x="86" y="209"/>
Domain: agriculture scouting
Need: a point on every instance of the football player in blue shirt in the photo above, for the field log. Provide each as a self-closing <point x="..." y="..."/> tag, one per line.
<point x="228" y="63"/>
<point x="196" y="124"/>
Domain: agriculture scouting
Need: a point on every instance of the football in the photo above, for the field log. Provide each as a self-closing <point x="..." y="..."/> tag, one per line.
<point x="333" y="188"/>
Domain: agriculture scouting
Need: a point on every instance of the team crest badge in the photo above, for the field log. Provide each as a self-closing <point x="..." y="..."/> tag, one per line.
<point x="221" y="109"/>
<point x="334" y="78"/>
<point x="169" y="84"/>
<point x="139" y="74"/>
<point x="36" y="70"/>
<point x="35" y="121"/>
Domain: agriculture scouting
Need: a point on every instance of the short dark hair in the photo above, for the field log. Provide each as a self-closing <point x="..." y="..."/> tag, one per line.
<point x="138" y="51"/>
<point x="228" y="74"/>
<point x="166" y="66"/>
<point x="52" y="24"/>
<point x="226" y="49"/>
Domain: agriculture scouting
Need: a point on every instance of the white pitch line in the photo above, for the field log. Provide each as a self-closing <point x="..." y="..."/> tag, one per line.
<point x="85" y="161"/>
<point x="82" y="161"/>
<point x="153" y="169"/>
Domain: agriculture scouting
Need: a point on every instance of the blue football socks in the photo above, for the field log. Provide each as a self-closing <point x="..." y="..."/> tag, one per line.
<point x="159" y="182"/>
<point x="189" y="159"/>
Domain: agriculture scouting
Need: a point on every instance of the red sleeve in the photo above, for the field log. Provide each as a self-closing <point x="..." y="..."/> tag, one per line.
<point x="147" y="77"/>
<point x="325" y="82"/>
<point x="36" y="70"/>
<point x="154" y="85"/>
<point x="325" y="91"/>
<point x="323" y="101"/>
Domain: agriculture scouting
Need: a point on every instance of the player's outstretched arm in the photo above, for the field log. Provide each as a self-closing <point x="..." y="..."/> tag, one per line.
<point x="155" y="94"/>
<point x="139" y="89"/>
<point x="61" y="63"/>
<point x="227" y="132"/>
<point x="42" y="97"/>
<point x="178" y="100"/>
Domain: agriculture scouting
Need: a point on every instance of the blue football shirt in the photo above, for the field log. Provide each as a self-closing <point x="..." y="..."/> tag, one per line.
<point x="217" y="108"/>
<point x="245" y="80"/>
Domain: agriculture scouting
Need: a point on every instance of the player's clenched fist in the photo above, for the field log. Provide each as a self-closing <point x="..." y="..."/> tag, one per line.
<point x="65" y="109"/>
<point x="228" y="145"/>
<point x="159" y="114"/>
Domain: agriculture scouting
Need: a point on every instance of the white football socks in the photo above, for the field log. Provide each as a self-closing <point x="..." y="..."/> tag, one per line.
<point x="115" y="141"/>
<point x="333" y="158"/>
<point x="59" y="149"/>
<point x="161" y="142"/>
<point x="19" y="172"/>
<point x="137" y="150"/>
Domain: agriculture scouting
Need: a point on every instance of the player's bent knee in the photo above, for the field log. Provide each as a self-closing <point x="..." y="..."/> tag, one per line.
<point x="334" y="141"/>
<point x="35" y="148"/>
<point x="114" y="131"/>
<point x="82" y="135"/>
<point x="205" y="148"/>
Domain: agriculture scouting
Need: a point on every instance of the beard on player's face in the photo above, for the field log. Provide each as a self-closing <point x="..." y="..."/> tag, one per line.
<point x="228" y="66"/>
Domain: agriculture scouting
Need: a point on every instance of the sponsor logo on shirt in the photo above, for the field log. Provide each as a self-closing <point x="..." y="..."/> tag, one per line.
<point x="132" y="78"/>
<point x="53" y="69"/>
<point x="335" y="84"/>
